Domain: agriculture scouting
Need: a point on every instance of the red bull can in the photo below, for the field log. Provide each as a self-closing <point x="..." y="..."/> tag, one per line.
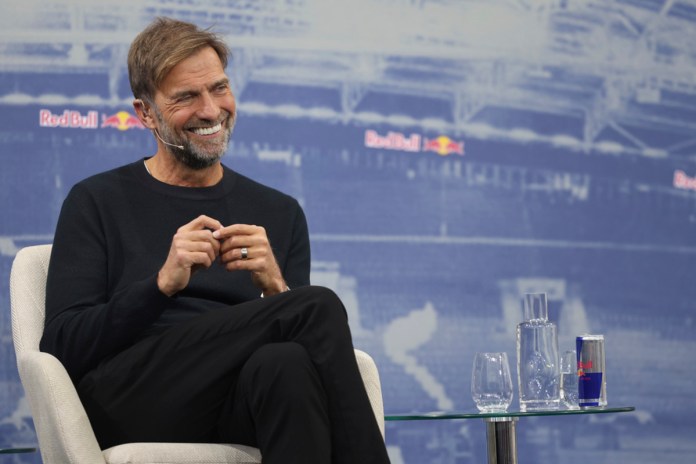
<point x="592" y="379"/>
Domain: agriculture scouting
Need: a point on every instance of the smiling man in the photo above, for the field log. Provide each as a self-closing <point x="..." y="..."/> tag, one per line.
<point x="178" y="293"/>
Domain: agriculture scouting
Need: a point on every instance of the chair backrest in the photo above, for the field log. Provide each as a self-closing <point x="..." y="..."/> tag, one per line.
<point x="28" y="292"/>
<point x="62" y="426"/>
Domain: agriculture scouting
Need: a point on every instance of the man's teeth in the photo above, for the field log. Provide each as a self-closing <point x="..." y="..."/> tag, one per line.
<point x="207" y="130"/>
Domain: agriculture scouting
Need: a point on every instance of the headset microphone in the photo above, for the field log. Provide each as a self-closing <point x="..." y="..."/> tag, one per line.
<point x="180" y="147"/>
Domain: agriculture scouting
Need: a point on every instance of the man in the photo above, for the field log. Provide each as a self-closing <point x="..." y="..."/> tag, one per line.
<point x="178" y="296"/>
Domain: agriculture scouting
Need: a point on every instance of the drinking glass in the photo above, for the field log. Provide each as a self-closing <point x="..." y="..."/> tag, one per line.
<point x="491" y="383"/>
<point x="569" y="379"/>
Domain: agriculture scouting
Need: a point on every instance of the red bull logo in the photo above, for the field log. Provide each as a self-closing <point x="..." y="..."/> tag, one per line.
<point x="683" y="181"/>
<point x="392" y="141"/>
<point x="443" y="146"/>
<point x="69" y="119"/>
<point x="122" y="121"/>
<point x="585" y="365"/>
<point x="72" y="119"/>
<point x="582" y="366"/>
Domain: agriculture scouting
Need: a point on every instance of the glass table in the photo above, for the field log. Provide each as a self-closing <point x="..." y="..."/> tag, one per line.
<point x="501" y="436"/>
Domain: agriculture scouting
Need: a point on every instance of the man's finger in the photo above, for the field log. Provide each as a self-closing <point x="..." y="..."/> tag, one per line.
<point x="202" y="222"/>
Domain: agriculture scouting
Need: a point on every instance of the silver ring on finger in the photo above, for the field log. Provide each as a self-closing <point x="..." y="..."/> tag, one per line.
<point x="245" y="253"/>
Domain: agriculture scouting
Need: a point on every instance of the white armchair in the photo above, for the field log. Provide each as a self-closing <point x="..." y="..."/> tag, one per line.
<point x="62" y="426"/>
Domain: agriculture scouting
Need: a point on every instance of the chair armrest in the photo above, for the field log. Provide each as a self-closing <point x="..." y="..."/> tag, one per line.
<point x="370" y="376"/>
<point x="61" y="422"/>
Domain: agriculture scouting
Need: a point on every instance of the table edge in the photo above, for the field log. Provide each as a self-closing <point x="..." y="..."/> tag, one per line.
<point x="441" y="415"/>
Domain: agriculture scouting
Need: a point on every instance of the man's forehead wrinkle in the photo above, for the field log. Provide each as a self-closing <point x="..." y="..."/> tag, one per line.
<point x="184" y="89"/>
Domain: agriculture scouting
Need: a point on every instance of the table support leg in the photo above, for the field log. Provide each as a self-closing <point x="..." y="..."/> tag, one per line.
<point x="502" y="440"/>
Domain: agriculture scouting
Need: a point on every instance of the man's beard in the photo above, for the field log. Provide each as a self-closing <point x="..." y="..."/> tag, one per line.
<point x="197" y="155"/>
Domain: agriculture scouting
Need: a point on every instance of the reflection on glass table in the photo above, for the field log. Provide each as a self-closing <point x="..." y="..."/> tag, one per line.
<point x="16" y="450"/>
<point x="500" y="425"/>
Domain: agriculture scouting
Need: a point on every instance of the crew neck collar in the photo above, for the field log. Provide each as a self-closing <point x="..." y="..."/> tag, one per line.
<point x="220" y="189"/>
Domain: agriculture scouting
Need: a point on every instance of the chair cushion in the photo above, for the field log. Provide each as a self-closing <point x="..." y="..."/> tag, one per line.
<point x="181" y="453"/>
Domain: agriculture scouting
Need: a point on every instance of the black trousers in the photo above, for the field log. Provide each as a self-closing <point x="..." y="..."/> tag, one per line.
<point x="278" y="373"/>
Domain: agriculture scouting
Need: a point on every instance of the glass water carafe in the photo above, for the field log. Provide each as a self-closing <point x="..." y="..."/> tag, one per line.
<point x="538" y="369"/>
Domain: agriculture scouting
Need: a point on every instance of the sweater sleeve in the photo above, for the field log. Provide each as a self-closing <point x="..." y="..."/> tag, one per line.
<point x="85" y="321"/>
<point x="297" y="267"/>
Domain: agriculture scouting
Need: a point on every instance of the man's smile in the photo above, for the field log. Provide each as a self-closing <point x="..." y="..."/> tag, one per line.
<point x="207" y="130"/>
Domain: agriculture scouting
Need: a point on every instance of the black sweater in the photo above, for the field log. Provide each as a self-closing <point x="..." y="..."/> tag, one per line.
<point x="113" y="235"/>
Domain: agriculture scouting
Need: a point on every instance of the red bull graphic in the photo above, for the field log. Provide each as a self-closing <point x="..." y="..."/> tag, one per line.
<point x="582" y="366"/>
<point x="442" y="145"/>
<point x="683" y="181"/>
<point x="392" y="141"/>
<point x="73" y="119"/>
<point x="69" y="119"/>
<point x="122" y="121"/>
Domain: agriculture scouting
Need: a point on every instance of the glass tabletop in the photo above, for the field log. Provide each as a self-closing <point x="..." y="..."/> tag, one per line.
<point x="441" y="415"/>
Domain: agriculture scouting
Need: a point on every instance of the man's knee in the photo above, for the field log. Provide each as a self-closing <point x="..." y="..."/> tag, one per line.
<point x="277" y="359"/>
<point x="325" y="302"/>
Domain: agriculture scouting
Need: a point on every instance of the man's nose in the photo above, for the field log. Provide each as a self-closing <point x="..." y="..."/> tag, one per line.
<point x="208" y="107"/>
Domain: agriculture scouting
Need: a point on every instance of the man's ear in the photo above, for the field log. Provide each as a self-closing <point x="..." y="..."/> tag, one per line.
<point x="144" y="113"/>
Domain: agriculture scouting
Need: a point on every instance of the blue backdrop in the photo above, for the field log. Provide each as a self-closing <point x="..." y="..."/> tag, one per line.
<point x="451" y="155"/>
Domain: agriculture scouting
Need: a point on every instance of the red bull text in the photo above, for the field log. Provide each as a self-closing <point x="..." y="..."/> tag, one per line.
<point x="392" y="141"/>
<point x="70" y="119"/>
<point x="683" y="181"/>
<point x="592" y="379"/>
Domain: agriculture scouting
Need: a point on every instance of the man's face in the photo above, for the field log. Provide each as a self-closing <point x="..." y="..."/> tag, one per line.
<point x="194" y="107"/>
